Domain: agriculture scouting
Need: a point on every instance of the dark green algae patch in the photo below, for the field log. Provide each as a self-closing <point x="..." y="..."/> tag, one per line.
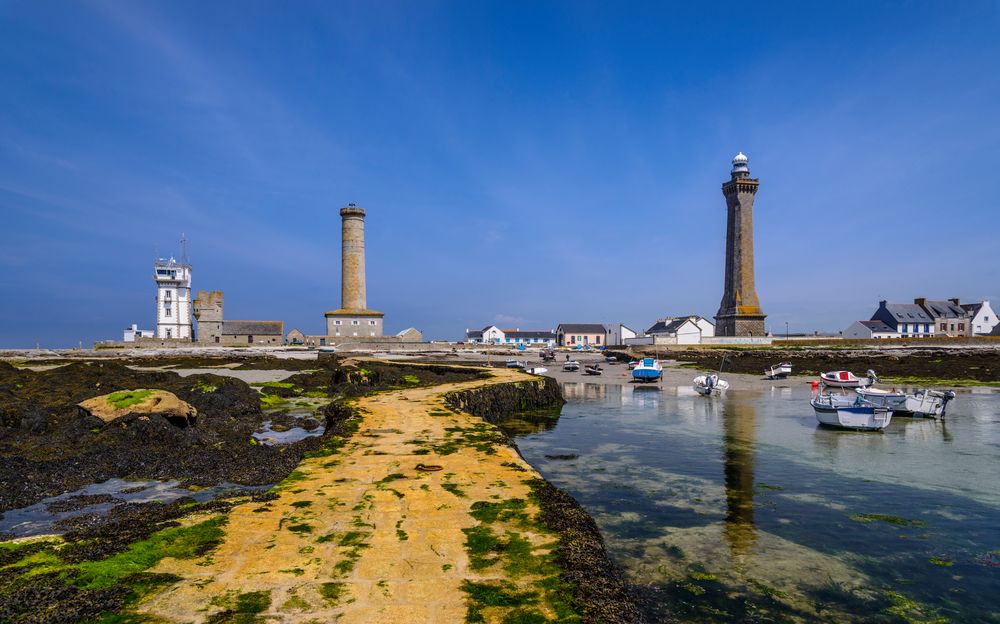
<point x="43" y="581"/>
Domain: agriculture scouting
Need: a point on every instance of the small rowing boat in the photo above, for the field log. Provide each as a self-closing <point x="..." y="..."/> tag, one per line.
<point x="705" y="385"/>
<point x="779" y="371"/>
<point x="843" y="413"/>
<point x="847" y="379"/>
<point x="920" y="404"/>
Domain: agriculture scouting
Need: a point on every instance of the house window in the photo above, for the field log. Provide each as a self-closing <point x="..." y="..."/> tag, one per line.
<point x="170" y="333"/>
<point x="166" y="309"/>
<point x="927" y="328"/>
<point x="944" y="326"/>
<point x="598" y="339"/>
<point x="355" y="322"/>
<point x="337" y="322"/>
<point x="952" y="327"/>
<point x="371" y="323"/>
<point x="217" y="339"/>
<point x="961" y="327"/>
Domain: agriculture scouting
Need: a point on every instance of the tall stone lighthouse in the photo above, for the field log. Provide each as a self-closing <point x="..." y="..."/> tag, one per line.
<point x="353" y="319"/>
<point x="739" y="313"/>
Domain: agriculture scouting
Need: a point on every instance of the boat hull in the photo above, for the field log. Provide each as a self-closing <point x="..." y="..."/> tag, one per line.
<point x="925" y="405"/>
<point x="646" y="374"/>
<point x="702" y="387"/>
<point x="854" y="417"/>
<point x="647" y="370"/>
<point x="922" y="404"/>
<point x="778" y="372"/>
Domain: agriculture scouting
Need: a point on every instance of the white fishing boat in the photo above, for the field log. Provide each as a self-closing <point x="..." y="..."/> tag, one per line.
<point x="516" y="364"/>
<point x="571" y="366"/>
<point x="890" y="399"/>
<point x="593" y="370"/>
<point x="705" y="385"/>
<point x="537" y="370"/>
<point x="920" y="404"/>
<point x="845" y="413"/>
<point x="847" y="379"/>
<point x="779" y="371"/>
<point x="647" y="370"/>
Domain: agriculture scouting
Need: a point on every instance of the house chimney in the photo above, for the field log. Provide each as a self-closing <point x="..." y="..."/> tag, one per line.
<point x="920" y="301"/>
<point x="956" y="301"/>
<point x="882" y="303"/>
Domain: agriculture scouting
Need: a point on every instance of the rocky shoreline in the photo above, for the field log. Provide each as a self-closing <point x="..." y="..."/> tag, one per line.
<point x="948" y="366"/>
<point x="49" y="447"/>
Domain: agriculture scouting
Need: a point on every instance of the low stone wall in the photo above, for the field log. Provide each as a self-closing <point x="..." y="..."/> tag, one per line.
<point x="495" y="402"/>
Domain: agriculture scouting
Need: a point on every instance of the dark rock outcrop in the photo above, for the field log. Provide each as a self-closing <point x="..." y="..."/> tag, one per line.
<point x="499" y="401"/>
<point x="600" y="587"/>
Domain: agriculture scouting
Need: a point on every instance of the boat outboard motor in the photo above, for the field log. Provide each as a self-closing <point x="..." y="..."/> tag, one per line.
<point x="710" y="381"/>
<point x="948" y="396"/>
<point x="872" y="377"/>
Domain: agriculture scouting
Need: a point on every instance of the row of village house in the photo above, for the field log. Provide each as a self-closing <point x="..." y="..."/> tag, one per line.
<point x="925" y="318"/>
<point x="922" y="318"/>
<point x="680" y="330"/>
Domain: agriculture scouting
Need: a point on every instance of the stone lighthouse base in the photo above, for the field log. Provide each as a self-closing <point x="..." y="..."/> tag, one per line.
<point x="740" y="325"/>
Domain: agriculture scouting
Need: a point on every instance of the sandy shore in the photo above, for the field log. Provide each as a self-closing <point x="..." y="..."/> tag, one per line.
<point x="618" y="374"/>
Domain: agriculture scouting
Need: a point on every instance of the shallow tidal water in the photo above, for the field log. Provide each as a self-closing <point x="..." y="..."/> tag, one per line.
<point x="741" y="508"/>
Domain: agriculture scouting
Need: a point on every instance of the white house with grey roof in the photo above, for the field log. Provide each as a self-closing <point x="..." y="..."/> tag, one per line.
<point x="909" y="320"/>
<point x="982" y="318"/>
<point x="682" y="329"/>
<point x="496" y="336"/>
<point x="619" y="333"/>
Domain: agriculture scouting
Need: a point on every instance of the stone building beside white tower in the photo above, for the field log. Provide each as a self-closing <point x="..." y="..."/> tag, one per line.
<point x="173" y="299"/>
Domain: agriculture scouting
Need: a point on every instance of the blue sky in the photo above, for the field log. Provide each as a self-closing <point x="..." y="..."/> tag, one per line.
<point x="521" y="163"/>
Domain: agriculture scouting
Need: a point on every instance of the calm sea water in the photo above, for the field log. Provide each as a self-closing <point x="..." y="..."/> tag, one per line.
<point x="741" y="508"/>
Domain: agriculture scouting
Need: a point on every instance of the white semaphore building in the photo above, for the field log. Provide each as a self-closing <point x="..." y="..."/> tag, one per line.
<point x="173" y="299"/>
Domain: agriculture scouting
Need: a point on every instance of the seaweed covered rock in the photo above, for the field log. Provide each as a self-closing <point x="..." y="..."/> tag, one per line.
<point x="143" y="402"/>
<point x="598" y="585"/>
<point x="495" y="402"/>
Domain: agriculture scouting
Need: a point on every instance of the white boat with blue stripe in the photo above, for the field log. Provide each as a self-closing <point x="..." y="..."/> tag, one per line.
<point x="647" y="370"/>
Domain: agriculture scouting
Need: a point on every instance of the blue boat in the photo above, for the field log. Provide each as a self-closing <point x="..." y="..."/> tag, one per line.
<point x="648" y="369"/>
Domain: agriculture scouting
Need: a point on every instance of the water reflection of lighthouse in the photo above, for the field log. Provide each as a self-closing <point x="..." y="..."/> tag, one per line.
<point x="739" y="423"/>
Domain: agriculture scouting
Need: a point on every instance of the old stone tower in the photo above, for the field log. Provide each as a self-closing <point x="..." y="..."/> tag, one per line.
<point x="739" y="313"/>
<point x="353" y="318"/>
<point x="208" y="311"/>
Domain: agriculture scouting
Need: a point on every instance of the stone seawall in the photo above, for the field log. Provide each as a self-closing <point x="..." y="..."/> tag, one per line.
<point x="493" y="403"/>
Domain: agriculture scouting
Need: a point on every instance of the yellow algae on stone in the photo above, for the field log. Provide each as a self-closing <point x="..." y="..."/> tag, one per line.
<point x="383" y="540"/>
